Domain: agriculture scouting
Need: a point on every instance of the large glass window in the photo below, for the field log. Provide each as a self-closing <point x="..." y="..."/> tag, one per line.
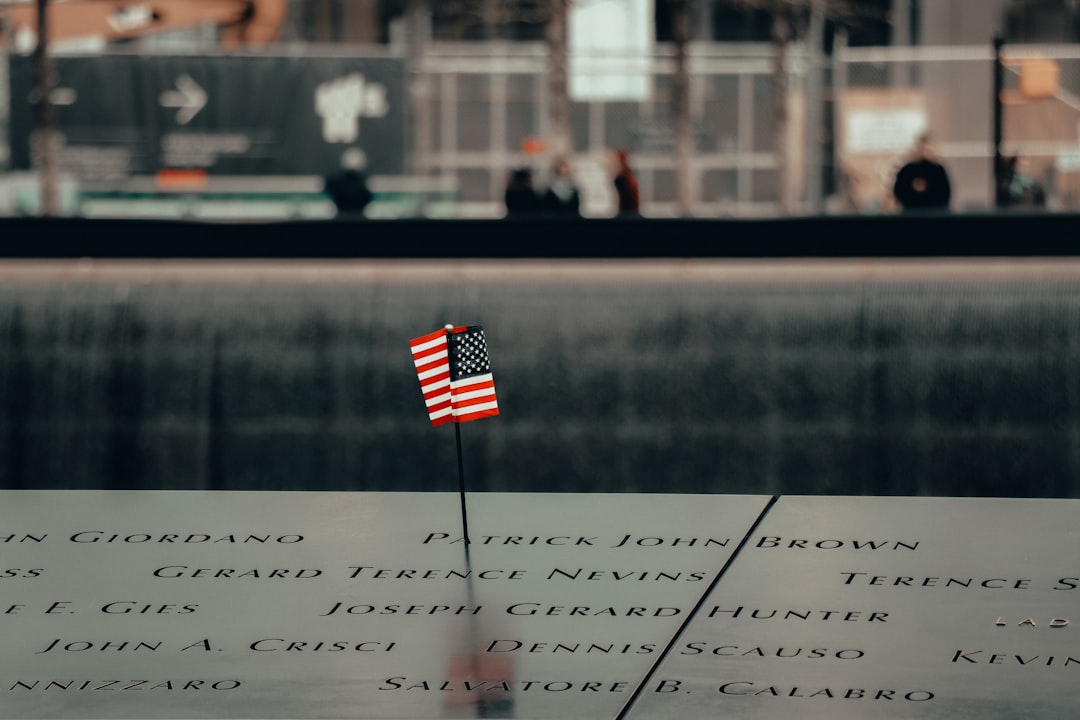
<point x="522" y="103"/>
<point x="474" y="112"/>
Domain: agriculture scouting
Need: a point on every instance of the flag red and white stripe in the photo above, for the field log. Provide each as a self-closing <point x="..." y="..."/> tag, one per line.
<point x="455" y="375"/>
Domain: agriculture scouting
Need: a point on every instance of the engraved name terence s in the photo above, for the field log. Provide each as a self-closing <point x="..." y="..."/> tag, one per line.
<point x="992" y="583"/>
<point x="625" y="540"/>
<point x="988" y="583"/>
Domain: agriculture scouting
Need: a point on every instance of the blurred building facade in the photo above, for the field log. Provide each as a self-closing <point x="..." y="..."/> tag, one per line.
<point x="861" y="80"/>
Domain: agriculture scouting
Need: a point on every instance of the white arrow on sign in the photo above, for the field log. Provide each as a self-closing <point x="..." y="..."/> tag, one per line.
<point x="188" y="96"/>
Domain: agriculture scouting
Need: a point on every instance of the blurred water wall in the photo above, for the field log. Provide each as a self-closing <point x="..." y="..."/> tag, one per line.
<point x="841" y="376"/>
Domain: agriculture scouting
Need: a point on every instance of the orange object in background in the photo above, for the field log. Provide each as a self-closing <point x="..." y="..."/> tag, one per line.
<point x="1039" y="78"/>
<point x="182" y="179"/>
<point x="243" y="21"/>
<point x="533" y="146"/>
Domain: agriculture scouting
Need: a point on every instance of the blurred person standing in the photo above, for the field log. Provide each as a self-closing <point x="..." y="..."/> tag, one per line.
<point x="561" y="198"/>
<point x="348" y="187"/>
<point x="626" y="186"/>
<point x="520" y="196"/>
<point x="922" y="183"/>
<point x="1017" y="187"/>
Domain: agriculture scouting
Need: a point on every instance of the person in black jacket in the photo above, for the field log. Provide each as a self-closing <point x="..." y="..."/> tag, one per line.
<point x="348" y="187"/>
<point x="922" y="183"/>
<point x="520" y="195"/>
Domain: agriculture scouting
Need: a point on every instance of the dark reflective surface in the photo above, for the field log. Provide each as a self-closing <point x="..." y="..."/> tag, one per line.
<point x="846" y="377"/>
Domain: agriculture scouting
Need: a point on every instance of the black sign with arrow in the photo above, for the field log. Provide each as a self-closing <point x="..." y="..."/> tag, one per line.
<point x="126" y="115"/>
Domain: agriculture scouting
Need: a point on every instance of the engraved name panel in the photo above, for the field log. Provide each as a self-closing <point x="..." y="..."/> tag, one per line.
<point x="119" y="604"/>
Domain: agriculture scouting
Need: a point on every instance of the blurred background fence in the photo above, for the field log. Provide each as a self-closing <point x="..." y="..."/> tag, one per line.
<point x="483" y="111"/>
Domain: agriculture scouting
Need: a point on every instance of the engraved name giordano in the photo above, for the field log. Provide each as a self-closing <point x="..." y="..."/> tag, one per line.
<point x="750" y="689"/>
<point x="626" y="540"/>
<point x="103" y="536"/>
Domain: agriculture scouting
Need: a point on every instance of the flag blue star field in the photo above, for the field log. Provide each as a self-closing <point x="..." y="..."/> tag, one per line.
<point x="455" y="374"/>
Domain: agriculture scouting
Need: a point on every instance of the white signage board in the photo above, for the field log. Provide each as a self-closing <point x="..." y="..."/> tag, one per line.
<point x="611" y="47"/>
<point x="873" y="131"/>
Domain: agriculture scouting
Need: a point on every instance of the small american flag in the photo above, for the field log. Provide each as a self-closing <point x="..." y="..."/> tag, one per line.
<point x="455" y="374"/>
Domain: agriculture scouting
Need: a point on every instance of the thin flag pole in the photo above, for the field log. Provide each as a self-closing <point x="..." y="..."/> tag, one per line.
<point x="461" y="487"/>
<point x="460" y="466"/>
